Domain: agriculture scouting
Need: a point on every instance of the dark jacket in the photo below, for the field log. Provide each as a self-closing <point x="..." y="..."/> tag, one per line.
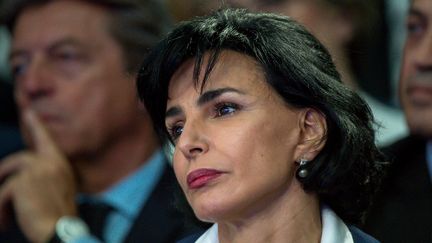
<point x="402" y="212"/>
<point x="158" y="222"/>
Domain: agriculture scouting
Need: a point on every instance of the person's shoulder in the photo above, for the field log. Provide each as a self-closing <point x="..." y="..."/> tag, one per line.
<point x="360" y="236"/>
<point x="404" y="149"/>
<point x="405" y="144"/>
<point x="191" y="238"/>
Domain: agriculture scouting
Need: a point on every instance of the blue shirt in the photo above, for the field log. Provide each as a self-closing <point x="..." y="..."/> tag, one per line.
<point x="127" y="198"/>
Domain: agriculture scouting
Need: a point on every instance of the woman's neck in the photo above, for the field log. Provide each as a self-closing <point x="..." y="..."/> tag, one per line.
<point x="295" y="217"/>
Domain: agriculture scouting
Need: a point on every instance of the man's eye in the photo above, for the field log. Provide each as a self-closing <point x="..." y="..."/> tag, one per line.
<point x="18" y="70"/>
<point x="414" y="28"/>
<point x="224" y="109"/>
<point x="66" y="56"/>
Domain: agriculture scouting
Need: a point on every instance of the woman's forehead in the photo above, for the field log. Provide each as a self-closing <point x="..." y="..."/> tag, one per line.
<point x="231" y="67"/>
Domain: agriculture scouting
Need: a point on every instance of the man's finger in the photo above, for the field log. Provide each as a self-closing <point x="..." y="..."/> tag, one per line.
<point x="41" y="139"/>
<point x="12" y="164"/>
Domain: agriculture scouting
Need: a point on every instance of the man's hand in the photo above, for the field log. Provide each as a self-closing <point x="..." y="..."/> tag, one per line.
<point x="39" y="185"/>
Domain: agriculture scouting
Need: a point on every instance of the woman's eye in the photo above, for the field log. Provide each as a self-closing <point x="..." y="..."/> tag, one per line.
<point x="175" y="132"/>
<point x="224" y="109"/>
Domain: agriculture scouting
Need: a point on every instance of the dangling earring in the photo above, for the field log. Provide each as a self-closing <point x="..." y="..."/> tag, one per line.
<point x="302" y="172"/>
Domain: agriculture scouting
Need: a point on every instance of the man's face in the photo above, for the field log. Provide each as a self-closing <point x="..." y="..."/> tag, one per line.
<point x="416" y="76"/>
<point x="70" y="70"/>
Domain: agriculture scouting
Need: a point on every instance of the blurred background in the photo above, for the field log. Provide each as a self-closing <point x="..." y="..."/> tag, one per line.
<point x="374" y="56"/>
<point x="10" y="139"/>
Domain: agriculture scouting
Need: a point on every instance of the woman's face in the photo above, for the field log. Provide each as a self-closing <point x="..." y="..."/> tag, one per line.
<point x="236" y="142"/>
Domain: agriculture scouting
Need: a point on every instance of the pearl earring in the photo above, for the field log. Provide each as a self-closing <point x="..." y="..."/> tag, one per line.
<point x="301" y="171"/>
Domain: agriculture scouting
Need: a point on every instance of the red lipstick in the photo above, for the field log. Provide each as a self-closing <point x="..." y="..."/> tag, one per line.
<point x="199" y="178"/>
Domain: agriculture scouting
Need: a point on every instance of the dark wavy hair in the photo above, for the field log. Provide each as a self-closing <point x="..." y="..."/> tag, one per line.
<point x="346" y="173"/>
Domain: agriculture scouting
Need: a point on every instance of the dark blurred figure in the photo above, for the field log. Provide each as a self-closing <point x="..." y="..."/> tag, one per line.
<point x="10" y="139"/>
<point x="94" y="171"/>
<point x="403" y="210"/>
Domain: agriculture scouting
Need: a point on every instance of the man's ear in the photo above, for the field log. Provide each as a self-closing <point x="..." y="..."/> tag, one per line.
<point x="313" y="135"/>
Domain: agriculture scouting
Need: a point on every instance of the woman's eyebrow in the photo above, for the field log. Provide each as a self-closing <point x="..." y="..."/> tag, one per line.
<point x="213" y="94"/>
<point x="203" y="99"/>
<point x="173" y="111"/>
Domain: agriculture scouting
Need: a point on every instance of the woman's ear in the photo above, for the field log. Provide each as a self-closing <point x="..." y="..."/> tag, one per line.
<point x="313" y="135"/>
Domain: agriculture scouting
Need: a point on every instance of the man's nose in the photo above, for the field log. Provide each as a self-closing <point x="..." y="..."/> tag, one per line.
<point x="423" y="55"/>
<point x="35" y="81"/>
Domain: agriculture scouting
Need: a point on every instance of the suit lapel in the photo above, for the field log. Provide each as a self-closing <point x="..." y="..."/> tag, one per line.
<point x="158" y="221"/>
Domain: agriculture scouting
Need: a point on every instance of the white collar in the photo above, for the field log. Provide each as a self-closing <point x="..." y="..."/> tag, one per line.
<point x="333" y="230"/>
<point x="210" y="236"/>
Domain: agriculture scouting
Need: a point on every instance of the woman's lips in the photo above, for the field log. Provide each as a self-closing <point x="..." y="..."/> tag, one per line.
<point x="199" y="178"/>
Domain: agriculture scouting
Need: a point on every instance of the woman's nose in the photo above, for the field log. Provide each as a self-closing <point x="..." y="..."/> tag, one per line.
<point x="193" y="141"/>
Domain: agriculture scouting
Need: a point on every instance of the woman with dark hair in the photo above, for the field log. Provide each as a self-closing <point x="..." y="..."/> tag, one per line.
<point x="269" y="144"/>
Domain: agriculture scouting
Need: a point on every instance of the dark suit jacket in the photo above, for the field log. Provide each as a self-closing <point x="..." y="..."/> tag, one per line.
<point x="358" y="237"/>
<point x="402" y="212"/>
<point x="158" y="222"/>
<point x="10" y="138"/>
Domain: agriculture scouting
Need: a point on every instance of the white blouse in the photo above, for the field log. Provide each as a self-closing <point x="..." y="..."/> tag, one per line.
<point x="333" y="230"/>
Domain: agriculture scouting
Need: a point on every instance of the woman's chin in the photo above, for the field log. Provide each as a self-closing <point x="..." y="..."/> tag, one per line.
<point x="210" y="211"/>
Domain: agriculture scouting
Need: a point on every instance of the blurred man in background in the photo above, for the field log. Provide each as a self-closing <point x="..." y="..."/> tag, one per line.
<point x="94" y="170"/>
<point x="403" y="210"/>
